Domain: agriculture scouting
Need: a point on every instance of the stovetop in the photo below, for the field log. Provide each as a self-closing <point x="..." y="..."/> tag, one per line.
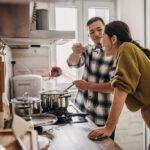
<point x="69" y="115"/>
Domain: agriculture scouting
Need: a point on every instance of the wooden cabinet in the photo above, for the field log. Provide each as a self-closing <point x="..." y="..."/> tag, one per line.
<point x="22" y="1"/>
<point x="15" y="27"/>
<point x="14" y="20"/>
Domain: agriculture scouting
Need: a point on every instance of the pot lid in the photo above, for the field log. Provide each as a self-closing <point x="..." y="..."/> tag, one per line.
<point x="25" y="100"/>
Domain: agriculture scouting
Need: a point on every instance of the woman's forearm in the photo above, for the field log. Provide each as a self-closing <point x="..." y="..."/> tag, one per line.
<point x="100" y="87"/>
<point x="116" y="108"/>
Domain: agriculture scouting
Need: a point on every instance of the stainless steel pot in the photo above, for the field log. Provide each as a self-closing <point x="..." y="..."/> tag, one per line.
<point x="54" y="99"/>
<point x="26" y="106"/>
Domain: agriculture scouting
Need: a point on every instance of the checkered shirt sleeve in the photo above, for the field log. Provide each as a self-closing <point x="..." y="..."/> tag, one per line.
<point x="98" y="69"/>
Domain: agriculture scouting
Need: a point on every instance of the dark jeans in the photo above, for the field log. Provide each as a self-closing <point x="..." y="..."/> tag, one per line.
<point x="112" y="135"/>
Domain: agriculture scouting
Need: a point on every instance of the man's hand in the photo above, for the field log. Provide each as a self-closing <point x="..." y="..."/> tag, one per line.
<point x="78" y="48"/>
<point x="81" y="84"/>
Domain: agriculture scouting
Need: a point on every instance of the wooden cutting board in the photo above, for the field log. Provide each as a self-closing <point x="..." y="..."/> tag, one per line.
<point x="8" y="140"/>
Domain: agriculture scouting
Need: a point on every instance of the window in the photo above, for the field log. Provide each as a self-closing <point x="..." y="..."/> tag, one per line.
<point x="99" y="12"/>
<point x="73" y="15"/>
<point x="66" y="19"/>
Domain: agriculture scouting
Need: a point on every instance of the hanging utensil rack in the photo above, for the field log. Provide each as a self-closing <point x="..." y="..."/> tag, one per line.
<point x="2" y="47"/>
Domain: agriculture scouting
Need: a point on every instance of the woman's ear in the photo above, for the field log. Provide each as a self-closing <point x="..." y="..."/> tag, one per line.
<point x="114" y="39"/>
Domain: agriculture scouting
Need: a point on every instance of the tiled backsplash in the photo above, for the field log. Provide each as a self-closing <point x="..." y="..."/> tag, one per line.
<point x="31" y="61"/>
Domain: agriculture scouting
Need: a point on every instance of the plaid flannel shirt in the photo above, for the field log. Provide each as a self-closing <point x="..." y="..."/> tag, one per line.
<point x="98" y="69"/>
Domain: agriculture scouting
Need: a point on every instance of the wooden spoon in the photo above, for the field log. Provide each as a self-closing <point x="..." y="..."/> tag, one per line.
<point x="68" y="87"/>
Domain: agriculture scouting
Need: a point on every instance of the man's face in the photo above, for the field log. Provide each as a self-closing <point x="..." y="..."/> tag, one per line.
<point x="96" y="30"/>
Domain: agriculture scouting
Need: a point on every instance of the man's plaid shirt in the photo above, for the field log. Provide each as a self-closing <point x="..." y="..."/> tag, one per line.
<point x="98" y="69"/>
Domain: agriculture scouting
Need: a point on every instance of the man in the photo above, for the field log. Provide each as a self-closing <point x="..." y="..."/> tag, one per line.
<point x="94" y="89"/>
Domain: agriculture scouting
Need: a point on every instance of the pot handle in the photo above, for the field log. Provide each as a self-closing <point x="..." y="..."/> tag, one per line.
<point x="25" y="95"/>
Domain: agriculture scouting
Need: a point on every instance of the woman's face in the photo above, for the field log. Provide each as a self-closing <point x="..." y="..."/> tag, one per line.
<point x="107" y="43"/>
<point x="111" y="45"/>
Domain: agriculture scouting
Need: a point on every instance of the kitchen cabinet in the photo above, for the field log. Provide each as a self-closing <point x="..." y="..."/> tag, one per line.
<point x="22" y="1"/>
<point x="15" y="27"/>
<point x="14" y="20"/>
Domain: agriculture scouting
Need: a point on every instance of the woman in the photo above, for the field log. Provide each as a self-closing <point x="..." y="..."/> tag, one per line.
<point x="131" y="81"/>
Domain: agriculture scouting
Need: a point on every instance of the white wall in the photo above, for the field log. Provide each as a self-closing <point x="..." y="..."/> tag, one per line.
<point x="132" y="12"/>
<point x="131" y="134"/>
<point x="147" y="24"/>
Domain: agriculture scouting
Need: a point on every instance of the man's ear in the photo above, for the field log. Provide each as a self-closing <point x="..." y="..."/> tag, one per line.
<point x="114" y="39"/>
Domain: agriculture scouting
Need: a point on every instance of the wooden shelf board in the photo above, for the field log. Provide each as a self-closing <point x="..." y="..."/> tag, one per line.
<point x="22" y="1"/>
<point x="42" y="37"/>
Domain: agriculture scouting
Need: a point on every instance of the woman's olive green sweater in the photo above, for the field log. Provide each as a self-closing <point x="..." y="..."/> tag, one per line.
<point x="133" y="75"/>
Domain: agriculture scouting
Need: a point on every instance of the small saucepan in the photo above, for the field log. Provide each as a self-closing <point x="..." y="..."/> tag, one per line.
<point x="26" y="106"/>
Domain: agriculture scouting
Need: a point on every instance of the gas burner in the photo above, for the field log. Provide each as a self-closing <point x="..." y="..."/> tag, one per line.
<point x="65" y="116"/>
<point x="64" y="119"/>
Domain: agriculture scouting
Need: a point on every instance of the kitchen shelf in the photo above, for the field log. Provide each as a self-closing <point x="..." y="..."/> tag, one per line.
<point x="43" y="37"/>
<point x="22" y="1"/>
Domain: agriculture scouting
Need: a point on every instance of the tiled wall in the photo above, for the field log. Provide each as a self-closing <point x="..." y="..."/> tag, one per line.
<point x="34" y="60"/>
<point x="31" y="61"/>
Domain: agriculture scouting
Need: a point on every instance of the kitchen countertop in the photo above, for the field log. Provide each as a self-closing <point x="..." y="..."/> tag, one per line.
<point x="74" y="136"/>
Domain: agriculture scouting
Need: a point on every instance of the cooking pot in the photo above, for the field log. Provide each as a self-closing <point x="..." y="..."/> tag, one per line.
<point x="54" y="99"/>
<point x="26" y="106"/>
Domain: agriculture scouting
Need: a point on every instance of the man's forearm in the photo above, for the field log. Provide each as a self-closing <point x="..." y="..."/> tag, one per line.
<point x="100" y="87"/>
<point x="116" y="108"/>
<point x="74" y="59"/>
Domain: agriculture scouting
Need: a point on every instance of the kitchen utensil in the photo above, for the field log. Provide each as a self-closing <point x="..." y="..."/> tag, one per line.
<point x="26" y="106"/>
<point x="2" y="47"/>
<point x="43" y="119"/>
<point x="54" y="99"/>
<point x="13" y="67"/>
<point x="19" y="128"/>
<point x="68" y="87"/>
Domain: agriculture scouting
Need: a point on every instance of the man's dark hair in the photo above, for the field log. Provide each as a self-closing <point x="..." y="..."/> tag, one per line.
<point x="94" y="19"/>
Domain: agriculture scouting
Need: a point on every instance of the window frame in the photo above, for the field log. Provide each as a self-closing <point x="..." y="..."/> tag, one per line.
<point x="82" y="7"/>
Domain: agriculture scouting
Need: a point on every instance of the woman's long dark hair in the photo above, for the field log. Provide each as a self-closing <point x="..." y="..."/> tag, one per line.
<point x="122" y="31"/>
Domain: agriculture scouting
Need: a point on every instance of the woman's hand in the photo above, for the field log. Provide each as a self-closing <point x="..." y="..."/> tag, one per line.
<point x="81" y="84"/>
<point x="100" y="133"/>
